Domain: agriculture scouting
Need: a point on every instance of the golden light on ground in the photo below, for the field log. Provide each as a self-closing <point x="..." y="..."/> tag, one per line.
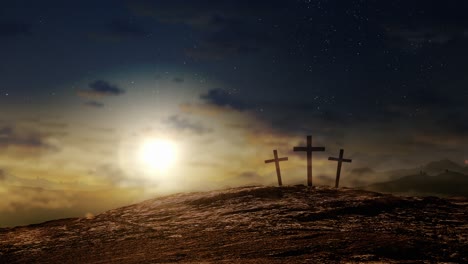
<point x="158" y="154"/>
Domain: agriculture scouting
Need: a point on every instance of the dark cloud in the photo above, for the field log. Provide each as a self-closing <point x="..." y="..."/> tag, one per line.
<point x="249" y="175"/>
<point x="110" y="172"/>
<point x="123" y="28"/>
<point x="437" y="25"/>
<point x="203" y="14"/>
<point x="223" y="98"/>
<point x="429" y="98"/>
<point x="2" y="175"/>
<point x="227" y="27"/>
<point x="453" y="124"/>
<point x="420" y="37"/>
<point x="6" y="132"/>
<point x="251" y="178"/>
<point x="105" y="88"/>
<point x="187" y="125"/>
<point x="119" y="30"/>
<point x="178" y="80"/>
<point x="12" y="29"/>
<point x="25" y="139"/>
<point x="237" y="38"/>
<point x="198" y="15"/>
<point x="100" y="88"/>
<point x="94" y="104"/>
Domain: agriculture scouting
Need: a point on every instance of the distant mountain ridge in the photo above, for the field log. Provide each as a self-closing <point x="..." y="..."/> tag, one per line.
<point x="448" y="183"/>
<point x="437" y="167"/>
<point x="442" y="177"/>
<point x="431" y="168"/>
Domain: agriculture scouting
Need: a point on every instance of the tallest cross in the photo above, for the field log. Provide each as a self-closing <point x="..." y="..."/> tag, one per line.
<point x="309" y="149"/>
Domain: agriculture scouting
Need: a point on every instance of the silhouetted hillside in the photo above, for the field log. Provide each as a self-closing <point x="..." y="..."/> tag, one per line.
<point x="437" y="167"/>
<point x="365" y="176"/>
<point x="253" y="225"/>
<point x="448" y="183"/>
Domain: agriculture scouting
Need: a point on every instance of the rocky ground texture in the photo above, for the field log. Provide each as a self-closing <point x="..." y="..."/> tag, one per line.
<point x="293" y="224"/>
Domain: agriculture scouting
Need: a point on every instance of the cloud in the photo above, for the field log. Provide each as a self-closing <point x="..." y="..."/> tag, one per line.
<point x="120" y="29"/>
<point x="27" y="140"/>
<point x="178" y="80"/>
<point x="223" y="98"/>
<point x="27" y="198"/>
<point x="2" y="175"/>
<point x="12" y="29"/>
<point x="123" y="28"/>
<point x="187" y="125"/>
<point x="5" y="132"/>
<point x="99" y="89"/>
<point x="226" y="27"/>
<point x="23" y="205"/>
<point x="111" y="173"/>
<point x="456" y="125"/>
<point x="94" y="104"/>
<point x="439" y="25"/>
<point x="422" y="36"/>
<point x="249" y="175"/>
<point x="250" y="178"/>
<point x="236" y="38"/>
<point x="198" y="15"/>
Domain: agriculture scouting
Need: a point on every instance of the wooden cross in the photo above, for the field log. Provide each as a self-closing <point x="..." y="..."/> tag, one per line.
<point x="277" y="160"/>
<point x="309" y="150"/>
<point x="338" y="170"/>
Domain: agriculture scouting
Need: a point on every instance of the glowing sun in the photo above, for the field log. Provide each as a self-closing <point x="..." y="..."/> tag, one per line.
<point x="158" y="154"/>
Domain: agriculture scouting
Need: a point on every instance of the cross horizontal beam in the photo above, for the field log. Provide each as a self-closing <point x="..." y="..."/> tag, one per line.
<point x="338" y="159"/>
<point x="308" y="149"/>
<point x="273" y="160"/>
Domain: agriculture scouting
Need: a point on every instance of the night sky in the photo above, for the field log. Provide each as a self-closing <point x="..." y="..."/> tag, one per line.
<point x="85" y="84"/>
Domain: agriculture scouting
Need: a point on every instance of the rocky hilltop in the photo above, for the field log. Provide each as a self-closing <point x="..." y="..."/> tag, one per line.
<point x="254" y="225"/>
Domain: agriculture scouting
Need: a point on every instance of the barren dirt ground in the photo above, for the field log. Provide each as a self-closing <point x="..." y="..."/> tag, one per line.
<point x="254" y="225"/>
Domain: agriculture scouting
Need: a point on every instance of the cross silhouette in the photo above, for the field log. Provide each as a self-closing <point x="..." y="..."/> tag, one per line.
<point x="277" y="160"/>
<point x="338" y="170"/>
<point x="309" y="150"/>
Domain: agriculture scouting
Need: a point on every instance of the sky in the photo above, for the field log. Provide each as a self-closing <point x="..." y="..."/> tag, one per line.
<point x="86" y="85"/>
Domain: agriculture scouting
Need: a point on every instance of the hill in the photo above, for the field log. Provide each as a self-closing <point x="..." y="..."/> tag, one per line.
<point x="253" y="225"/>
<point x="365" y="176"/>
<point x="448" y="183"/>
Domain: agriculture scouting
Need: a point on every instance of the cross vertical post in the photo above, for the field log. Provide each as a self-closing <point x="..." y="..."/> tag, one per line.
<point x="340" y="160"/>
<point x="309" y="161"/>
<point x="277" y="160"/>
<point x="309" y="149"/>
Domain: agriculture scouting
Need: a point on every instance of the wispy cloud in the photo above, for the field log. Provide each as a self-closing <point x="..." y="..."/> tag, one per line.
<point x="229" y="27"/>
<point x="178" y="79"/>
<point x="2" y="175"/>
<point x="185" y="124"/>
<point x="94" y="104"/>
<point x="119" y="30"/>
<point x="223" y="98"/>
<point x="26" y="140"/>
<point x="99" y="89"/>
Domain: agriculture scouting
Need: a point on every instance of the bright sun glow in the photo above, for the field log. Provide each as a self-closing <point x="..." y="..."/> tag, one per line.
<point x="158" y="154"/>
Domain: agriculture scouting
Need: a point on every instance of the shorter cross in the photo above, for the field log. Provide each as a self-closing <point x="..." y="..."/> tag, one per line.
<point x="338" y="170"/>
<point x="277" y="160"/>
